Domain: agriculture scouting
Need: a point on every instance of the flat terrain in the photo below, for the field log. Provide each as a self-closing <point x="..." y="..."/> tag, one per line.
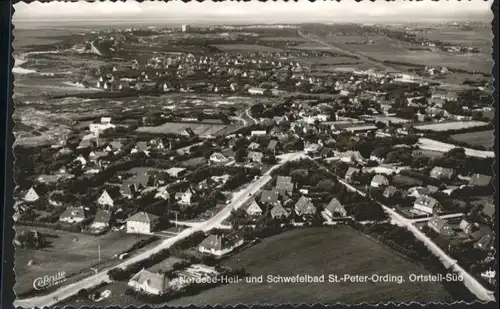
<point x="68" y="252"/>
<point x="481" y="138"/>
<point x="319" y="251"/>
<point x="446" y="126"/>
<point x="246" y="48"/>
<point x="178" y="127"/>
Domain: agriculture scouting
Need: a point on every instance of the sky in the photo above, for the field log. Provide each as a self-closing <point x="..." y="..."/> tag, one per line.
<point x="257" y="12"/>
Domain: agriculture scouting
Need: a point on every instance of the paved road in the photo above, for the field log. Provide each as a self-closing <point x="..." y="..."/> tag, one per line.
<point x="238" y="200"/>
<point x="450" y="216"/>
<point x="250" y="116"/>
<point x="94" y="49"/>
<point x="469" y="281"/>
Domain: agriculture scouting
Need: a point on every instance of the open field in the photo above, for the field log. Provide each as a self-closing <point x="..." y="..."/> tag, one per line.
<point x="246" y="48"/>
<point x="455" y="125"/>
<point x="481" y="138"/>
<point x="318" y="251"/>
<point x="405" y="181"/>
<point x="68" y="252"/>
<point x="313" y="251"/>
<point x="436" y="146"/>
<point x="179" y="127"/>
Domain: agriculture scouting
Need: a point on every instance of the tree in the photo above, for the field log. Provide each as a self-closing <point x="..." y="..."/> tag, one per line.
<point x="380" y="125"/>
<point x="240" y="155"/>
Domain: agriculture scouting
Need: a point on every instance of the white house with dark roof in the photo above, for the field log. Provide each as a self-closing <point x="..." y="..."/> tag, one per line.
<point x="218" y="157"/>
<point x="220" y="245"/>
<point x="72" y="215"/>
<point x="379" y="181"/>
<point x="284" y="185"/>
<point x="335" y="209"/>
<point x="101" y="219"/>
<point x="427" y="204"/>
<point x="440" y="226"/>
<point x="149" y="282"/>
<point x="142" y="223"/>
<point x="31" y="196"/>
<point x="304" y="206"/>
<point x="278" y="211"/>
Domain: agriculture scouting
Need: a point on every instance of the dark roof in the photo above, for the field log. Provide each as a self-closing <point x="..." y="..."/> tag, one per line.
<point x="154" y="280"/>
<point x="439" y="224"/>
<point x="102" y="216"/>
<point x="426" y="201"/>
<point x="220" y="242"/>
<point x="279" y="210"/>
<point x="304" y="206"/>
<point x="269" y="196"/>
<point x="143" y="217"/>
<point x="480" y="180"/>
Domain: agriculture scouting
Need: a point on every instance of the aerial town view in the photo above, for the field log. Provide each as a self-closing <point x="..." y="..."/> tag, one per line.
<point x="252" y="159"/>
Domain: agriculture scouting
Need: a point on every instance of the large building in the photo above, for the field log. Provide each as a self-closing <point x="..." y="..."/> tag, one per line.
<point x="185" y="28"/>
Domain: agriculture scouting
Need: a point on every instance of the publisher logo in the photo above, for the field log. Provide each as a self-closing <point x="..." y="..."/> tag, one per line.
<point x="45" y="282"/>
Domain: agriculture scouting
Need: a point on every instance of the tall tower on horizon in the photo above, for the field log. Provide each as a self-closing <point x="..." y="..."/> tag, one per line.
<point x="185" y="28"/>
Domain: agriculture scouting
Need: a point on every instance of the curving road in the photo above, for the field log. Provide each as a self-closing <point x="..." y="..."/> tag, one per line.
<point x="469" y="281"/>
<point x="238" y="200"/>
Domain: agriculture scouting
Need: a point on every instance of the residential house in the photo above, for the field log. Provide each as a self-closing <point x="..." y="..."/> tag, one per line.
<point x="427" y="204"/>
<point x="72" y="215"/>
<point x="489" y="211"/>
<point x="466" y="226"/>
<point x="114" y="146"/>
<point x="379" y="181"/>
<point x="304" y="206"/>
<point x="479" y="180"/>
<point x="129" y="189"/>
<point x="101" y="219"/>
<point x="31" y="196"/>
<point x="149" y="282"/>
<point x="351" y="157"/>
<point x="284" y="185"/>
<point x="142" y="223"/>
<point x="218" y="157"/>
<point x="176" y="172"/>
<point x="486" y="242"/>
<point x="440" y="226"/>
<point x="185" y="198"/>
<point x="273" y="146"/>
<point x="269" y="197"/>
<point x="441" y="173"/>
<point x="162" y="193"/>
<point x="253" y="209"/>
<point x="350" y="174"/>
<point x="140" y="147"/>
<point x="255" y="156"/>
<point x="106" y="199"/>
<point x="188" y="133"/>
<point x="417" y="191"/>
<point x="258" y="133"/>
<point x="390" y="191"/>
<point x="94" y="156"/>
<point x="278" y="211"/>
<point x="220" y="245"/>
<point x="253" y="146"/>
<point x="335" y="208"/>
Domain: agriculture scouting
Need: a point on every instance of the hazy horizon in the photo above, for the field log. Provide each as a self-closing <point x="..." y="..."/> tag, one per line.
<point x="254" y="12"/>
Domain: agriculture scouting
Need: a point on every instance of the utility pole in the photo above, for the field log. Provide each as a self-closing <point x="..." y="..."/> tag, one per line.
<point x="99" y="251"/>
